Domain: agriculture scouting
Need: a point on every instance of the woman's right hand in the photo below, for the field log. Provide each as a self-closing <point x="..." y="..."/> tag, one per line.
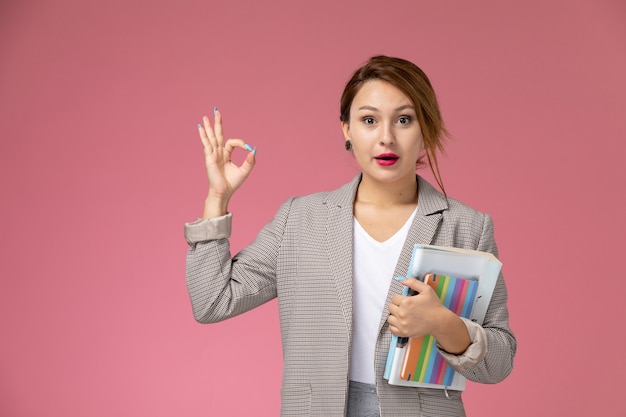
<point x="225" y="177"/>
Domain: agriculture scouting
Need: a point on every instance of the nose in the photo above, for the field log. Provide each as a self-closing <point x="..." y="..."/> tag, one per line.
<point x="387" y="135"/>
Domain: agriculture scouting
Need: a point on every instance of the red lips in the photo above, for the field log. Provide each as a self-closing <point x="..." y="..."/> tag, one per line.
<point x="386" y="159"/>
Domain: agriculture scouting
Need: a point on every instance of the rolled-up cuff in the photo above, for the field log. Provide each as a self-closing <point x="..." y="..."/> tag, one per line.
<point x="208" y="229"/>
<point x="474" y="353"/>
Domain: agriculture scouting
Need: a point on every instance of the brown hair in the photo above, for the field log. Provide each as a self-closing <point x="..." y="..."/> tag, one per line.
<point x="413" y="82"/>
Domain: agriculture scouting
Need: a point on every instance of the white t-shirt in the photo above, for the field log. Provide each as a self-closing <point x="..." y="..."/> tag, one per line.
<point x="374" y="265"/>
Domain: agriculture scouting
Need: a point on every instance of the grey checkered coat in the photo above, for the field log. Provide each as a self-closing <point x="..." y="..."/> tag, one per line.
<point x="304" y="257"/>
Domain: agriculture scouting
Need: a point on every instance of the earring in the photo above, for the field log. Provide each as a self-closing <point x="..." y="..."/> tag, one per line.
<point x="348" y="145"/>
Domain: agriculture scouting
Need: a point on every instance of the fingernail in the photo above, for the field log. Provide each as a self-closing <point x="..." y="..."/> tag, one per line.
<point x="199" y="125"/>
<point x="254" y="152"/>
<point x="399" y="278"/>
<point x="248" y="147"/>
<point x="214" y="110"/>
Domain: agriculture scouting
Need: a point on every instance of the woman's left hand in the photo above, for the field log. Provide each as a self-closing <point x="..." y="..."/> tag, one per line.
<point x="416" y="315"/>
<point x="422" y="314"/>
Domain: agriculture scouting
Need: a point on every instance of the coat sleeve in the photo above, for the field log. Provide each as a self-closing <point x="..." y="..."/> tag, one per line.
<point x="501" y="343"/>
<point x="221" y="286"/>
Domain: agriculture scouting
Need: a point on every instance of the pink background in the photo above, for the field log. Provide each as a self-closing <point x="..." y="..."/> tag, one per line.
<point x="100" y="166"/>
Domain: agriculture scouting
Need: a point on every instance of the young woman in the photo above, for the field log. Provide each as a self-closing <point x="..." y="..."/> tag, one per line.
<point x="330" y="257"/>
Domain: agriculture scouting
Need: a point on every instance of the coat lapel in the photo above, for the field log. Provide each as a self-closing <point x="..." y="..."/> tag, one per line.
<point x="430" y="205"/>
<point x="339" y="233"/>
<point x="340" y="238"/>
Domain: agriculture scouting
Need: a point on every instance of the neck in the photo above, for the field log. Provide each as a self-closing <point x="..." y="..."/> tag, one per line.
<point x="387" y="194"/>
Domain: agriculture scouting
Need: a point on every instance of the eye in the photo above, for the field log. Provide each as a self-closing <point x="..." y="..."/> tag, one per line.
<point x="404" y="120"/>
<point x="369" y="120"/>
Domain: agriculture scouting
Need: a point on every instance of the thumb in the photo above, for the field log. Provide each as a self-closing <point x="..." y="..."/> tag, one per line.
<point x="249" y="162"/>
<point x="415" y="284"/>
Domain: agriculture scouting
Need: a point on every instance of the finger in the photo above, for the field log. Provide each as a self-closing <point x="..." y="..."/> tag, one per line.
<point x="396" y="299"/>
<point x="393" y="309"/>
<point x="249" y="162"/>
<point x="203" y="137"/>
<point x="393" y="328"/>
<point x="231" y="145"/>
<point x="415" y="284"/>
<point x="219" y="131"/>
<point x="209" y="132"/>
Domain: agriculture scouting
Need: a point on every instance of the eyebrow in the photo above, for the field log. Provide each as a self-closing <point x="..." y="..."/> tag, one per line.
<point x="372" y="108"/>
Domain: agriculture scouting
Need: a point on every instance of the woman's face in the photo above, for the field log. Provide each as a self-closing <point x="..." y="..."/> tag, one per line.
<point x="385" y="133"/>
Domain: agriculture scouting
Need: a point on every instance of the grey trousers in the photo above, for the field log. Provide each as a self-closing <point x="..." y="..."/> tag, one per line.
<point x="362" y="400"/>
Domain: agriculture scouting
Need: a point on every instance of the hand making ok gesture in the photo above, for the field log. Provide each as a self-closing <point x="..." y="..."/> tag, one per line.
<point x="225" y="177"/>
